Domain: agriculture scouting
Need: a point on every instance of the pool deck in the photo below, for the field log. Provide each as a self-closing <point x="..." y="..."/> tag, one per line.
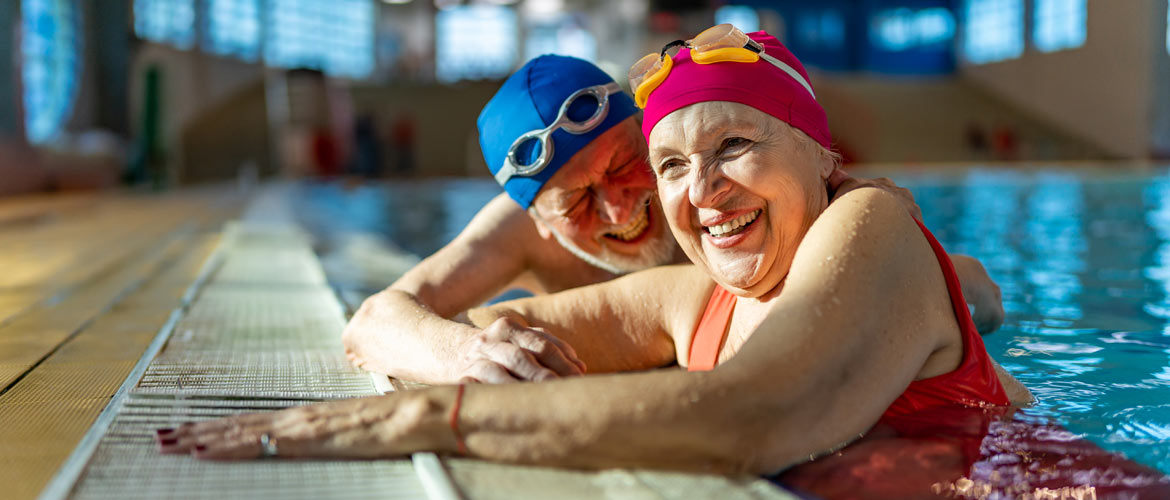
<point x="122" y="313"/>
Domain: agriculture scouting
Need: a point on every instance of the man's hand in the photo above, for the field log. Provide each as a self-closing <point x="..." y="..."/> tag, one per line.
<point x="981" y="293"/>
<point x="841" y="183"/>
<point x="507" y="351"/>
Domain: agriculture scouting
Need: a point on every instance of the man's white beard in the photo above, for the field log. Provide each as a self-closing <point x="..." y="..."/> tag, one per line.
<point x="657" y="250"/>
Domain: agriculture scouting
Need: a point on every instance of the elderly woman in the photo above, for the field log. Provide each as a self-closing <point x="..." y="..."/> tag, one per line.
<point x="801" y="324"/>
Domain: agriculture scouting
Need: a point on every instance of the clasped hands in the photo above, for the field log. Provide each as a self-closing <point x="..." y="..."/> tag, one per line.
<point x="509" y="351"/>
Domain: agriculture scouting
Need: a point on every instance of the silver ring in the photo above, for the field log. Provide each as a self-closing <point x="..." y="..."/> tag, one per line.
<point x="267" y="446"/>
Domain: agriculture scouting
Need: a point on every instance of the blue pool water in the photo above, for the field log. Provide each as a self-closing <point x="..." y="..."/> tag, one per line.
<point x="1082" y="257"/>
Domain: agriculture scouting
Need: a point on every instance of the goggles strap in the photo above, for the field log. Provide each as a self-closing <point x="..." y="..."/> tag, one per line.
<point x="791" y="72"/>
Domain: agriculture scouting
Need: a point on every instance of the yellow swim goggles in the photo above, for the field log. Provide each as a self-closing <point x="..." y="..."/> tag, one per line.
<point x="720" y="43"/>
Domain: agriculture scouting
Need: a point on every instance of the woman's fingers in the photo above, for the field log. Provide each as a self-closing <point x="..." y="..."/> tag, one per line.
<point x="551" y="352"/>
<point x="243" y="447"/>
<point x="489" y="372"/>
<point x="383" y="426"/>
<point x="518" y="361"/>
<point x="520" y="353"/>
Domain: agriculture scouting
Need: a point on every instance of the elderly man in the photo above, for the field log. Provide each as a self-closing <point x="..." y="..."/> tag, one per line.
<point x="565" y="143"/>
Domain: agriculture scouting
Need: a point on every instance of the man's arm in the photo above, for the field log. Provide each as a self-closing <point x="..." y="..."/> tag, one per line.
<point x="981" y="293"/>
<point x="407" y="330"/>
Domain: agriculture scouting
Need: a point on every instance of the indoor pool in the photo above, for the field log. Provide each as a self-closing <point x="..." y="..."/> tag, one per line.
<point x="1082" y="257"/>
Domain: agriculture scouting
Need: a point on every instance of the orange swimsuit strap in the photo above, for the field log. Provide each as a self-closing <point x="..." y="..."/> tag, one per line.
<point x="712" y="330"/>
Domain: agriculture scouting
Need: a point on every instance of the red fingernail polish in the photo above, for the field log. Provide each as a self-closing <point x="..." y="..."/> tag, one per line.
<point x="169" y="441"/>
<point x="200" y="448"/>
<point x="164" y="431"/>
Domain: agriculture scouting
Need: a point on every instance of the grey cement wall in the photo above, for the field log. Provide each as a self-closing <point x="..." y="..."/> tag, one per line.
<point x="1159" y="112"/>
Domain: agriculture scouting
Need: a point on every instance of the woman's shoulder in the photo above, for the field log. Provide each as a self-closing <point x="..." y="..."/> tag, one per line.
<point x="862" y="219"/>
<point x="868" y="201"/>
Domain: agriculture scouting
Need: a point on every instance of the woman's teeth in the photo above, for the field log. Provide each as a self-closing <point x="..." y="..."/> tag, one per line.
<point x="734" y="226"/>
<point x="633" y="229"/>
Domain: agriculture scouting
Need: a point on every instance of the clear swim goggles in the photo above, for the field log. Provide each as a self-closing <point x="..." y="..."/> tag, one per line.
<point x="597" y="94"/>
<point x="720" y="43"/>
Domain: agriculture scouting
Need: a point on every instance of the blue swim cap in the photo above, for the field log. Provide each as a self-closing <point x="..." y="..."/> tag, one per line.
<point x="529" y="100"/>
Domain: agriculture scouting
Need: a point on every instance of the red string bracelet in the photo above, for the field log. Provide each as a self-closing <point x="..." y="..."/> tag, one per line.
<point x="453" y="421"/>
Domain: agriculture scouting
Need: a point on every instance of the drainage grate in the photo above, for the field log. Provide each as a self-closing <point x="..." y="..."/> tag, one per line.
<point x="127" y="466"/>
<point x="260" y="331"/>
<point x="289" y="374"/>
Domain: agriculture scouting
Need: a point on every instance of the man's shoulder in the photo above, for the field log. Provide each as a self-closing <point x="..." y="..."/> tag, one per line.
<point x="503" y="227"/>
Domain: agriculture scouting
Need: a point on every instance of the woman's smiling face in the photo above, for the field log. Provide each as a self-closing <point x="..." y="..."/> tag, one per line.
<point x="739" y="190"/>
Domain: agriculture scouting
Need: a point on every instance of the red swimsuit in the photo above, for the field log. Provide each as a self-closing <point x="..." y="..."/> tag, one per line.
<point x="973" y="383"/>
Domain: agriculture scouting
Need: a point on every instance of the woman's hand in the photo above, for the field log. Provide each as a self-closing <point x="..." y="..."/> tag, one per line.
<point x="508" y="351"/>
<point x="373" y="427"/>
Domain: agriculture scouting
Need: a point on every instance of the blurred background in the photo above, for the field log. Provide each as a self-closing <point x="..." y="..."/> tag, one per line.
<point x="175" y="92"/>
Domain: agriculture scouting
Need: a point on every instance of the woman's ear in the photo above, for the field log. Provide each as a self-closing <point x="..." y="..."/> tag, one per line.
<point x="829" y="169"/>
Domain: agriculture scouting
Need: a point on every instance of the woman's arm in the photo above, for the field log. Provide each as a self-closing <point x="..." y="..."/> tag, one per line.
<point x="865" y="311"/>
<point x="841" y="342"/>
<point x="618" y="325"/>
<point x="979" y="290"/>
<point x="406" y="330"/>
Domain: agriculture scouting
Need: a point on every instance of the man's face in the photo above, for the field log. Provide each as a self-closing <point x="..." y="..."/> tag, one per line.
<point x="601" y="205"/>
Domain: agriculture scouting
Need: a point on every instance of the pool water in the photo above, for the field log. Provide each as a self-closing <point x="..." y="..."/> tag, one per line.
<point x="1082" y="257"/>
<point x="1083" y="260"/>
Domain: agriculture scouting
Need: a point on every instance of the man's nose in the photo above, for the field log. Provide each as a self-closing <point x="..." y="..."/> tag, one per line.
<point x="616" y="205"/>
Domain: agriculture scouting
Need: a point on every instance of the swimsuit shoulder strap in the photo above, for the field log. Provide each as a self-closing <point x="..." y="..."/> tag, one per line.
<point x="712" y="330"/>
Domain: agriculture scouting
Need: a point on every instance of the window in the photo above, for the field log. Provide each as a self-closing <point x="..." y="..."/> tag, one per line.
<point x="744" y="18"/>
<point x="1058" y="25"/>
<point x="233" y="28"/>
<point x="336" y="37"/>
<point x="475" y="42"/>
<point x="995" y="30"/>
<point x="896" y="30"/>
<point x="823" y="30"/>
<point x="166" y="21"/>
<point x="563" y="36"/>
<point x="49" y="55"/>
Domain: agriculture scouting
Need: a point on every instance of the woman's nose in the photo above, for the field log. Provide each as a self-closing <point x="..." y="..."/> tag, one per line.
<point x="706" y="187"/>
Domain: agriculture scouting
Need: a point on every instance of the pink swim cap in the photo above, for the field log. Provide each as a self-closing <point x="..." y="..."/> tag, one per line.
<point x="760" y="85"/>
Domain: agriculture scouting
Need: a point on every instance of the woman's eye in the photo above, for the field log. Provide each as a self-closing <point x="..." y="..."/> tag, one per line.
<point x="667" y="166"/>
<point x="734" y="143"/>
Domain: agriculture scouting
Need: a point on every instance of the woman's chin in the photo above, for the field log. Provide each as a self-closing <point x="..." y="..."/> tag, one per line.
<point x="736" y="274"/>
